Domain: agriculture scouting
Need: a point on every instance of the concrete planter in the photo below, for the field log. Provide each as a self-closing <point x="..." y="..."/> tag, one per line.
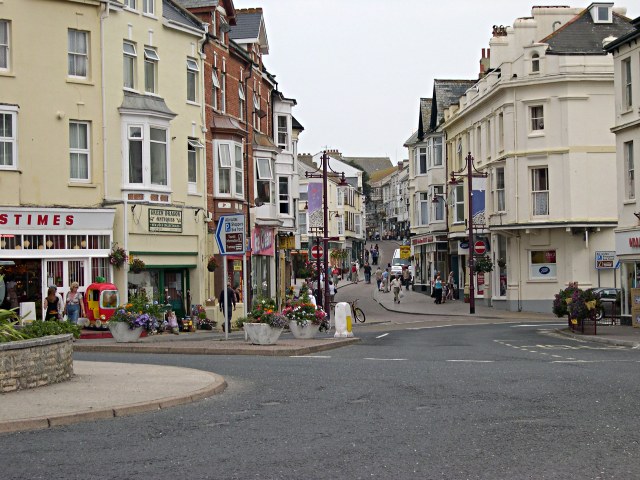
<point x="303" y="331"/>
<point x="123" y="334"/>
<point x="262" y="334"/>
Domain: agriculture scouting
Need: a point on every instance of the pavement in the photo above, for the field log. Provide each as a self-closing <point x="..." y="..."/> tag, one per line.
<point x="101" y="390"/>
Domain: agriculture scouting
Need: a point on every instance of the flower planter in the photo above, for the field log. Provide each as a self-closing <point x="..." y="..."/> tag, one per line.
<point x="123" y="334"/>
<point x="261" y="333"/>
<point x="309" y="330"/>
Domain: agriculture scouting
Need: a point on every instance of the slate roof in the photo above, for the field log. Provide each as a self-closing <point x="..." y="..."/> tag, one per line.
<point x="582" y="36"/>
<point x="247" y="24"/>
<point x="295" y="124"/>
<point x="380" y="174"/>
<point x="174" y="12"/>
<point x="412" y="140"/>
<point x="145" y="103"/>
<point x="626" y="38"/>
<point x="199" y="3"/>
<point x="370" y="164"/>
<point x="445" y="94"/>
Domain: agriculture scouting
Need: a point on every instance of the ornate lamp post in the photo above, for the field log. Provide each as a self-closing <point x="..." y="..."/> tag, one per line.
<point x="470" y="173"/>
<point x="324" y="171"/>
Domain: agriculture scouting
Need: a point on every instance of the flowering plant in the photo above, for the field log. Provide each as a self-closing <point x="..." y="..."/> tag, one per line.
<point x="265" y="311"/>
<point x="304" y="312"/>
<point x="139" y="312"/>
<point x="137" y="265"/>
<point x="577" y="303"/>
<point x="212" y="264"/>
<point x="117" y="256"/>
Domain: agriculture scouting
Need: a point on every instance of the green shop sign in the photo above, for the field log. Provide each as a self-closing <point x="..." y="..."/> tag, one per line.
<point x="163" y="220"/>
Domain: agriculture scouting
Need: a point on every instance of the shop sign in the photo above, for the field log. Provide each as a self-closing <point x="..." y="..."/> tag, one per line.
<point x="287" y="243"/>
<point x="55" y="219"/>
<point x="263" y="243"/>
<point x="628" y="243"/>
<point x="422" y="240"/>
<point x="164" y="220"/>
<point x="237" y="265"/>
<point x="405" y="252"/>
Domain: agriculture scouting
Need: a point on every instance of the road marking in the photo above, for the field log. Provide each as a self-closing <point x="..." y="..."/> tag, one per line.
<point x="383" y="335"/>
<point x="556" y="356"/>
<point x="309" y="356"/>
<point x="387" y="359"/>
<point x="473" y="361"/>
<point x="540" y="325"/>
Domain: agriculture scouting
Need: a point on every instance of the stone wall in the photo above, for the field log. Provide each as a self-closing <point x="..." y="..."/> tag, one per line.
<point x="34" y="363"/>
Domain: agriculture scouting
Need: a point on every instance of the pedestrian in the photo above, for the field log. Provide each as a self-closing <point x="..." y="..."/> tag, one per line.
<point x="354" y="273"/>
<point x="52" y="305"/>
<point x="366" y="256"/>
<point x="396" y="285"/>
<point x="336" y="275"/>
<point x="226" y="308"/>
<point x="74" y="306"/>
<point x="406" y="277"/>
<point x="437" y="288"/>
<point x="367" y="272"/>
<point x="378" y="275"/>
<point x="332" y="292"/>
<point x="385" y="280"/>
<point x="450" y="285"/>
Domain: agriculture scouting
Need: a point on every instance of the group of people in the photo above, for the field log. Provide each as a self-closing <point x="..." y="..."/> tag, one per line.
<point x="386" y="282"/>
<point x="374" y="254"/>
<point x="441" y="291"/>
<point x="56" y="309"/>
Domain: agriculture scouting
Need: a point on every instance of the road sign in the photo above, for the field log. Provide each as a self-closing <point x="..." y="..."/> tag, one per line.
<point x="605" y="260"/>
<point x="230" y="234"/>
<point x="405" y="252"/>
<point x="479" y="247"/>
<point x="317" y="251"/>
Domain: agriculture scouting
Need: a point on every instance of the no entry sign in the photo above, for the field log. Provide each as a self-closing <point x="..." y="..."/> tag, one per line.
<point x="479" y="247"/>
<point x="316" y="251"/>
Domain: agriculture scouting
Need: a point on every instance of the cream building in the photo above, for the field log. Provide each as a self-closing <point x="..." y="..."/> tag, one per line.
<point x="523" y="123"/>
<point x="626" y="57"/>
<point x="110" y="152"/>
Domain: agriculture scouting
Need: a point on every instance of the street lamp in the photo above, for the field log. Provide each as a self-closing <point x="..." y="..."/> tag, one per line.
<point x="327" y="172"/>
<point x="470" y="173"/>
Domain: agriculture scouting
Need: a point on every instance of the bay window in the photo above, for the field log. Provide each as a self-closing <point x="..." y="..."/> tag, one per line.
<point x="438" y="204"/>
<point x="264" y="180"/>
<point x="147" y="154"/>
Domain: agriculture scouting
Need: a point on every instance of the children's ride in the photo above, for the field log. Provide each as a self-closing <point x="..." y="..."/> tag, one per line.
<point x="101" y="301"/>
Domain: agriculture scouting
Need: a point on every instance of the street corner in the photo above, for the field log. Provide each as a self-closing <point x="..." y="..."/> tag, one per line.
<point x="101" y="390"/>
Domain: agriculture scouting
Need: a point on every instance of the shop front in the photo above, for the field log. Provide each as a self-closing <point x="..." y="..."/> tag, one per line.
<point x="43" y="247"/>
<point x="263" y="262"/>
<point x="628" y="253"/>
<point x="430" y="256"/>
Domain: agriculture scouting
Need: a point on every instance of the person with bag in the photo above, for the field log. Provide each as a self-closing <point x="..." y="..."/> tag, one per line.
<point x="396" y="285"/>
<point x="74" y="306"/>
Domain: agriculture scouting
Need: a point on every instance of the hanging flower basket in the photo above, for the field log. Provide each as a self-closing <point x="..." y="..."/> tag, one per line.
<point x="137" y="265"/>
<point x="212" y="264"/>
<point x="483" y="264"/>
<point x="117" y="256"/>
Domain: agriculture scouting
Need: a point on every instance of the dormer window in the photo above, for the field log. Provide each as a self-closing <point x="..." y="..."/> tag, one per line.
<point x="535" y="63"/>
<point x="601" y="12"/>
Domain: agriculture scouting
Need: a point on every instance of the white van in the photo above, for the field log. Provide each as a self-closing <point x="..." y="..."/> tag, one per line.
<point x="398" y="263"/>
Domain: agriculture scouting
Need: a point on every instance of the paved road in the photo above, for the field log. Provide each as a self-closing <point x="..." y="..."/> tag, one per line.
<point x="482" y="402"/>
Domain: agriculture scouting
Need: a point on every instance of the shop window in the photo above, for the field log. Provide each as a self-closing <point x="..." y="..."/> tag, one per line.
<point x="542" y="264"/>
<point x="77" y="241"/>
<point x="99" y="242"/>
<point x="55" y="242"/>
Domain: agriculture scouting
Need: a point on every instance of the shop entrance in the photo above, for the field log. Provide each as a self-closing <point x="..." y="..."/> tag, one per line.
<point x="23" y="283"/>
<point x="167" y="286"/>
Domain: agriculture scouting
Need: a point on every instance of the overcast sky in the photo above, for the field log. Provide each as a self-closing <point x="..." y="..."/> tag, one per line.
<point x="358" y="68"/>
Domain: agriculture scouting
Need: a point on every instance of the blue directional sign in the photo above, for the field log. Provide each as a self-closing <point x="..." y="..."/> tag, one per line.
<point x="605" y="260"/>
<point x="230" y="235"/>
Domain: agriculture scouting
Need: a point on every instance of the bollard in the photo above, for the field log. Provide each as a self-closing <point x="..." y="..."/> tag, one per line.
<point x="342" y="320"/>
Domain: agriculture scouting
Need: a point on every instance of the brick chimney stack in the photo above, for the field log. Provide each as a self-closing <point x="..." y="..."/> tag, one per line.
<point x="484" y="62"/>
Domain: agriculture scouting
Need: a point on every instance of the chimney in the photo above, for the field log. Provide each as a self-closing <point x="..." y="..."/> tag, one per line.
<point x="484" y="62"/>
<point x="400" y="166"/>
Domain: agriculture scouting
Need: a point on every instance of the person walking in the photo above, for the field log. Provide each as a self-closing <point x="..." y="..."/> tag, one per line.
<point x="385" y="280"/>
<point x="74" y="306"/>
<point x="396" y="285"/>
<point x="226" y="309"/>
<point x="354" y="272"/>
<point x="450" y="284"/>
<point x="336" y="275"/>
<point x="378" y="275"/>
<point x="437" y="288"/>
<point x="406" y="277"/>
<point x="52" y="305"/>
<point x="367" y="272"/>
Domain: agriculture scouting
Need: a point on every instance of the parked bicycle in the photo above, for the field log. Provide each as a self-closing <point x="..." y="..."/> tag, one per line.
<point x="356" y="312"/>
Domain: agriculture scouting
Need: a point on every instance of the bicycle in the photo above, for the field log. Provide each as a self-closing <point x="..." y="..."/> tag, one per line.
<point x="356" y="312"/>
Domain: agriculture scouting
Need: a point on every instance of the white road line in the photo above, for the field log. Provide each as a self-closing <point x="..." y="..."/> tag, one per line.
<point x="383" y="335"/>
<point x="387" y="359"/>
<point x="473" y="361"/>
<point x="309" y="356"/>
<point x="556" y="356"/>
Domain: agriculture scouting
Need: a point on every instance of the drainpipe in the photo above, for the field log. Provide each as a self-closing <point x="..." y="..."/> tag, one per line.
<point x="249" y="99"/>
<point x="517" y="196"/>
<point x="103" y="16"/>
